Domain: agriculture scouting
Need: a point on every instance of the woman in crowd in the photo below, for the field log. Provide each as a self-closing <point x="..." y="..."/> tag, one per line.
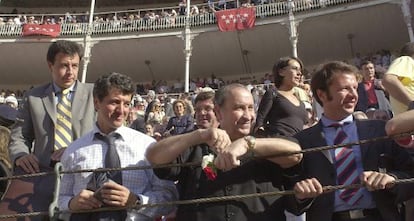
<point x="281" y="112"/>
<point x="181" y="122"/>
<point x="156" y="115"/>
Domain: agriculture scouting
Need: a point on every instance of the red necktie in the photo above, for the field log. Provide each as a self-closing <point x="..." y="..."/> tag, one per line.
<point x="346" y="168"/>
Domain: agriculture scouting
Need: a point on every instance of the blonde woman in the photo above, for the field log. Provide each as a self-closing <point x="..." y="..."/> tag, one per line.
<point x="156" y="115"/>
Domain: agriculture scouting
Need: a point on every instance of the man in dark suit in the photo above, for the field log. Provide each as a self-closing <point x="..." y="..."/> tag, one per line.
<point x="370" y="91"/>
<point x="233" y="110"/>
<point x="33" y="137"/>
<point x="335" y="88"/>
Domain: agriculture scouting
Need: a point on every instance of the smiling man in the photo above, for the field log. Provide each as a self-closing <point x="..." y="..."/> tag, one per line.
<point x="112" y="145"/>
<point x="334" y="86"/>
<point x="234" y="110"/>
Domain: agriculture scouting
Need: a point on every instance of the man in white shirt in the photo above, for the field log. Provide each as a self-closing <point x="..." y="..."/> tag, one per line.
<point x="84" y="191"/>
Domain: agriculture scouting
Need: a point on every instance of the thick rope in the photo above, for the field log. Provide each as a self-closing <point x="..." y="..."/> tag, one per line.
<point x="326" y="189"/>
<point x="198" y="163"/>
<point x="202" y="200"/>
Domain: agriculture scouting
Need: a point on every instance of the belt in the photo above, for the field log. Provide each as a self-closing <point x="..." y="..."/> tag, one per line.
<point x="355" y="214"/>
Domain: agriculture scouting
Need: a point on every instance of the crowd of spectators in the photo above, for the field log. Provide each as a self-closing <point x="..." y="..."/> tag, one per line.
<point x="149" y="16"/>
<point x="11" y="98"/>
<point x="382" y="60"/>
<point x="161" y="110"/>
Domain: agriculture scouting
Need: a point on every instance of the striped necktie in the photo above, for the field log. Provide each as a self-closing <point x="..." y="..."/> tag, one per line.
<point x="346" y="168"/>
<point x="63" y="126"/>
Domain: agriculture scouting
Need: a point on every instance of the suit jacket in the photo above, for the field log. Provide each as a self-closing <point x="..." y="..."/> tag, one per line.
<point x="34" y="130"/>
<point x="362" y="105"/>
<point x="320" y="166"/>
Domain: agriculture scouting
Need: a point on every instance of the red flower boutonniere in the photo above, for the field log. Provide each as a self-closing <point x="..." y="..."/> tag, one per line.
<point x="407" y="142"/>
<point x="208" y="167"/>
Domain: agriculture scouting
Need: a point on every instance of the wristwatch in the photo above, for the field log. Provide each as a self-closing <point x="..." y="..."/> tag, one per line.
<point x="251" y="142"/>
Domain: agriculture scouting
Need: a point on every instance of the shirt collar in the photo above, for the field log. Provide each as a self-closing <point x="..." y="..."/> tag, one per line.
<point x="122" y="131"/>
<point x="58" y="90"/>
<point x="326" y="121"/>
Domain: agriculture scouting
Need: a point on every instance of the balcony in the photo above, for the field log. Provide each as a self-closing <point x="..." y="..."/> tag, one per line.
<point x="178" y="22"/>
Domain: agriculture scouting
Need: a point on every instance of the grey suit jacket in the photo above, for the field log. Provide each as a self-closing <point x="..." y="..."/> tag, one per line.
<point x="320" y="166"/>
<point x="34" y="130"/>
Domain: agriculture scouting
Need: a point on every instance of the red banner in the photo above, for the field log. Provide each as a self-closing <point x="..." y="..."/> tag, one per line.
<point x="236" y="19"/>
<point x="52" y="30"/>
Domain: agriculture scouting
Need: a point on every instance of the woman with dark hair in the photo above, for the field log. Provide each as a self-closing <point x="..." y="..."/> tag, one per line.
<point x="280" y="111"/>
<point x="181" y="122"/>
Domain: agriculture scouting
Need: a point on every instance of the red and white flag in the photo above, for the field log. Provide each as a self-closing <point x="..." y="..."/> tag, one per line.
<point x="52" y="30"/>
<point x="236" y="19"/>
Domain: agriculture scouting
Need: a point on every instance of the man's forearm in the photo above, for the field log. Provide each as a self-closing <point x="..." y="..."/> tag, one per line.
<point x="168" y="149"/>
<point x="274" y="146"/>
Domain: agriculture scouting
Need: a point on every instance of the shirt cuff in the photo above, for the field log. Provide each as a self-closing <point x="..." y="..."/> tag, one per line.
<point x="143" y="199"/>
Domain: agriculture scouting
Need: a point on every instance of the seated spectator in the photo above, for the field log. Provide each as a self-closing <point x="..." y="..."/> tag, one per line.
<point x="181" y="122"/>
<point x="156" y="114"/>
<point x="371" y="92"/>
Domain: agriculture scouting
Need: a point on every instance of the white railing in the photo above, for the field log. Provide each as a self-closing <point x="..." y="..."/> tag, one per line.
<point x="178" y="22"/>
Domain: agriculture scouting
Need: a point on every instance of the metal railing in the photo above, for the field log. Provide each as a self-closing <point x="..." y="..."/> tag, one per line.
<point x="177" y="22"/>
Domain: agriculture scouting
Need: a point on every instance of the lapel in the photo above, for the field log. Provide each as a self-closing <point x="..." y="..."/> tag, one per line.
<point x="318" y="139"/>
<point x="364" y="131"/>
<point x="49" y="102"/>
<point x="79" y="99"/>
<point x="78" y="103"/>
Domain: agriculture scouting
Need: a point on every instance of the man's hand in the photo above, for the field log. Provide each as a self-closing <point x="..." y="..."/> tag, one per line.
<point x="84" y="200"/>
<point x="309" y="188"/>
<point x="114" y="194"/>
<point x="217" y="139"/>
<point x="373" y="180"/>
<point x="29" y="163"/>
<point x="228" y="158"/>
<point x="56" y="155"/>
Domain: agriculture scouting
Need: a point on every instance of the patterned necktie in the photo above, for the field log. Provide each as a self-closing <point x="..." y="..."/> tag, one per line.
<point x="346" y="168"/>
<point x="111" y="158"/>
<point x="63" y="126"/>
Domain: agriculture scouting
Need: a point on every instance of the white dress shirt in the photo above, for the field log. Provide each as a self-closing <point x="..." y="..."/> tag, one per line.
<point x="89" y="152"/>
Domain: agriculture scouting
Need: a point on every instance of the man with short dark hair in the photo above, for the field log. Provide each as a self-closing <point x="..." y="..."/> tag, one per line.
<point x="50" y="118"/>
<point x="370" y="91"/>
<point x="33" y="141"/>
<point x="108" y="141"/>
